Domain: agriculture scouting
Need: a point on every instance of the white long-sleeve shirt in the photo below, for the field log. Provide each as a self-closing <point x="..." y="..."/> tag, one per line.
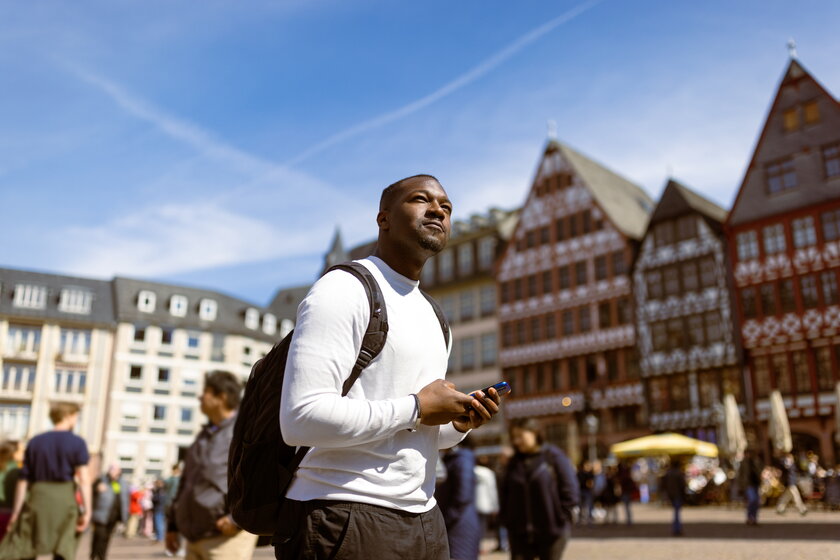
<point x="363" y="450"/>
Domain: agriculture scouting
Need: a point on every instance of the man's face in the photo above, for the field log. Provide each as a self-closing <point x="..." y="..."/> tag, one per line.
<point x="210" y="402"/>
<point x="419" y="215"/>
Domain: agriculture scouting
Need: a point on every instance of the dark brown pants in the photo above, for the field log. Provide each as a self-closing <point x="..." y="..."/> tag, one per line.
<point x="324" y="530"/>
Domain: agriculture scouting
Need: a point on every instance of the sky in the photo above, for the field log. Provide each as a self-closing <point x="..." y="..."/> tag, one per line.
<point x="221" y="144"/>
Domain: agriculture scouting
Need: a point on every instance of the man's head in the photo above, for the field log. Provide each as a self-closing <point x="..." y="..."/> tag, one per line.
<point x="114" y="471"/>
<point x="222" y="393"/>
<point x="64" y="413"/>
<point x="414" y="217"/>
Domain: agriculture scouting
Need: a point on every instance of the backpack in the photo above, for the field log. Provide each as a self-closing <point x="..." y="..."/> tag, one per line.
<point x="261" y="465"/>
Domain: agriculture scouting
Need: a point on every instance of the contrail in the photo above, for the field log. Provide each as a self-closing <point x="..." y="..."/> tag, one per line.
<point x="472" y="75"/>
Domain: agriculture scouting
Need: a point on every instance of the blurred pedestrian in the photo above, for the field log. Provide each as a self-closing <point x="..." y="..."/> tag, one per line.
<point x="749" y="481"/>
<point x="628" y="490"/>
<point x="611" y="494"/>
<point x="46" y="518"/>
<point x="9" y="474"/>
<point x="135" y="511"/>
<point x="486" y="494"/>
<point x="586" y="481"/>
<point x="456" y="498"/>
<point x="789" y="478"/>
<point x="200" y="512"/>
<point x="110" y="507"/>
<point x="539" y="492"/>
<point x="673" y="484"/>
<point x="159" y="509"/>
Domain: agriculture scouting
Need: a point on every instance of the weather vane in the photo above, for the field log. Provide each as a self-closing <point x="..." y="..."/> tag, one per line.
<point x="791" y="45"/>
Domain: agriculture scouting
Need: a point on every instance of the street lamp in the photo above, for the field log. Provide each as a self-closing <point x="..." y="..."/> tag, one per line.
<point x="591" y="422"/>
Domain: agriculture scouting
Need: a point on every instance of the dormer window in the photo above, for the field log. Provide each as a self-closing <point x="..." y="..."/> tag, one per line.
<point x="146" y="301"/>
<point x="252" y="318"/>
<point x="269" y="324"/>
<point x="30" y="297"/>
<point x="178" y="306"/>
<point x="286" y="327"/>
<point x="207" y="310"/>
<point x="75" y="300"/>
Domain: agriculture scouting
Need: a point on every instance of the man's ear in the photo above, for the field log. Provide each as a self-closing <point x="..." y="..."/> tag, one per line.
<point x="382" y="220"/>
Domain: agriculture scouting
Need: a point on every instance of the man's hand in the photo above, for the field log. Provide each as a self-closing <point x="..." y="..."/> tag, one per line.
<point x="440" y="403"/>
<point x="82" y="522"/>
<point x="226" y="525"/>
<point x="483" y="408"/>
<point x="172" y="541"/>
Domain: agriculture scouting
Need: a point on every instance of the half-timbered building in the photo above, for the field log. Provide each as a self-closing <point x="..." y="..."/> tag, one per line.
<point x="686" y="339"/>
<point x="568" y="338"/>
<point x="784" y="241"/>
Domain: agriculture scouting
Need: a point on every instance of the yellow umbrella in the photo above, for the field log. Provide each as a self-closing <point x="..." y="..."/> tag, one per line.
<point x="664" y="444"/>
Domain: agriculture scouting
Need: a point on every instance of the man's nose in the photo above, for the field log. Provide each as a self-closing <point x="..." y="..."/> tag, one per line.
<point x="436" y="209"/>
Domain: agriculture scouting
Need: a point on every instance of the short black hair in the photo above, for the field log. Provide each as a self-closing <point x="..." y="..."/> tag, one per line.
<point x="388" y="192"/>
<point x="225" y="383"/>
<point x="528" y="425"/>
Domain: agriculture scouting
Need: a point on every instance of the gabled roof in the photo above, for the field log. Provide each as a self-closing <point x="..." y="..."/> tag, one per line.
<point x="804" y="145"/>
<point x="286" y="301"/>
<point x="676" y="198"/>
<point x="626" y="204"/>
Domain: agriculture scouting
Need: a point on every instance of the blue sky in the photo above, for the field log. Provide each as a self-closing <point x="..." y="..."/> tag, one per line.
<point x="220" y="144"/>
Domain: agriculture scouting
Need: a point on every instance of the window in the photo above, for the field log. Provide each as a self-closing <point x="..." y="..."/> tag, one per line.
<point x="487" y="297"/>
<point x="709" y="382"/>
<point x="774" y="239"/>
<point x="624" y="310"/>
<point x="679" y="392"/>
<point x="75" y="342"/>
<point x="135" y="373"/>
<point x="217" y="352"/>
<point x="252" y="318"/>
<point x="467" y="305"/>
<point x="804" y="234"/>
<point x="601" y="268"/>
<point x="23" y="340"/>
<point x="658" y="387"/>
<point x="447" y="305"/>
<point x="663" y="234"/>
<point x="568" y="323"/>
<point x="828" y="280"/>
<point x="580" y="273"/>
<point x="686" y="227"/>
<point x="186" y="415"/>
<point x="831" y="225"/>
<point x="159" y="412"/>
<point x="517" y="289"/>
<point x="70" y="381"/>
<point x="545" y="235"/>
<point x="672" y="281"/>
<point x="531" y="239"/>
<point x="146" y="301"/>
<point x="189" y="383"/>
<point x="547" y="284"/>
<point x="696" y="332"/>
<point x="767" y="295"/>
<point x="811" y="111"/>
<point x="75" y="300"/>
<point x="465" y="259"/>
<point x="604" y="315"/>
<point x="825" y="376"/>
<point x="556" y="377"/>
<point x="808" y="287"/>
<point x="532" y="286"/>
<point x="178" y="306"/>
<point x="586" y="218"/>
<point x="536" y="331"/>
<point x="584" y="319"/>
<point x="761" y="376"/>
<point x="714" y="332"/>
<point x="486" y="253"/>
<point x="790" y="119"/>
<point x="618" y="263"/>
<point x="550" y="327"/>
<point x="831" y="160"/>
<point x="659" y="336"/>
<point x="786" y="296"/>
<point x="139" y="333"/>
<point x="30" y="297"/>
<point x="801" y="373"/>
<point x="18" y="378"/>
<point x="163" y="375"/>
<point x="565" y="277"/>
<point x="574" y="373"/>
<point x="747" y="244"/>
<point x="781" y="375"/>
<point x="574" y="231"/>
<point x="286" y="326"/>
<point x="781" y="176"/>
<point x="207" y="309"/>
<point x="654" y="284"/>
<point x="690" y="278"/>
<point x="269" y="324"/>
<point x="445" y="265"/>
<point x="676" y="333"/>
<point x="467" y="353"/>
<point x="166" y="335"/>
<point x="560" y="229"/>
<point x="193" y="339"/>
<point x="611" y="357"/>
<point x="488" y="349"/>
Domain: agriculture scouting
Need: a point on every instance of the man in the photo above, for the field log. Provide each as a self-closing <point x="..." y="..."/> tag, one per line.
<point x="674" y="485"/>
<point x="199" y="512"/>
<point x="9" y="473"/>
<point x="749" y="479"/>
<point x="373" y="456"/>
<point x="110" y="506"/>
<point x="790" y="479"/>
<point x="45" y="516"/>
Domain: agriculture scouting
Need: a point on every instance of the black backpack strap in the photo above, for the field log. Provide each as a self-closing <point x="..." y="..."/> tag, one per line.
<point x="377" y="329"/>
<point x="444" y="324"/>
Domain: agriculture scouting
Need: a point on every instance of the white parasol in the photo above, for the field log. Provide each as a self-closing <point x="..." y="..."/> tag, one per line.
<point x="779" y="426"/>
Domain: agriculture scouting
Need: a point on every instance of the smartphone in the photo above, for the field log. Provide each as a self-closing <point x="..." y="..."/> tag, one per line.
<point x="502" y="387"/>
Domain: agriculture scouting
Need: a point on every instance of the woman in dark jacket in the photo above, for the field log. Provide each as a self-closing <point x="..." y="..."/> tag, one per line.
<point x="539" y="492"/>
<point x="456" y="498"/>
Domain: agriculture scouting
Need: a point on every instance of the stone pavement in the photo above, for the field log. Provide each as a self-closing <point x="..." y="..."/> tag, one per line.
<point x="711" y="533"/>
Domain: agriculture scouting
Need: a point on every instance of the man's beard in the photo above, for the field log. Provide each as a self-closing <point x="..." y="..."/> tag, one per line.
<point x="431" y="243"/>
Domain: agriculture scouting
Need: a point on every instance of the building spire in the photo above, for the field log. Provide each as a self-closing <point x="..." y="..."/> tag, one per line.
<point x="791" y="46"/>
<point x="551" y="125"/>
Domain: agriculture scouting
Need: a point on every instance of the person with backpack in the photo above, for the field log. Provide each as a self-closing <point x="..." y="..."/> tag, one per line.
<point x="540" y="491"/>
<point x="365" y="489"/>
<point x="200" y="511"/>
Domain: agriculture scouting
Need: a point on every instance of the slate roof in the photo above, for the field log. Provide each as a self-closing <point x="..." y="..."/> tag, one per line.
<point x="102" y="310"/>
<point x="666" y="209"/>
<point x="285" y="303"/>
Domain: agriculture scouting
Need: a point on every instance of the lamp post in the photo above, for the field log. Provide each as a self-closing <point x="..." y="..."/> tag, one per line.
<point x="592" y="428"/>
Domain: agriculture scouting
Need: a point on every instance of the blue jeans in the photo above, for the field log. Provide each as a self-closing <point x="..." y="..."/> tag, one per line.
<point x="752" y="503"/>
<point x="627" y="511"/>
<point x="676" y="526"/>
<point x="160" y="525"/>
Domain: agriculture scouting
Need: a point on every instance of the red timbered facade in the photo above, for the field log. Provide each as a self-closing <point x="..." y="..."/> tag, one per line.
<point x="568" y="339"/>
<point x="687" y="345"/>
<point x="784" y="242"/>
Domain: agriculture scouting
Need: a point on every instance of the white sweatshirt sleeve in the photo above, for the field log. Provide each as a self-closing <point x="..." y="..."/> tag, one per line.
<point x="449" y="437"/>
<point x="332" y="320"/>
